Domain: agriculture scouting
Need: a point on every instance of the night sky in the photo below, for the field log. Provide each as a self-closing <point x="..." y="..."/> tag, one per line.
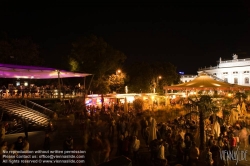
<point x="188" y="35"/>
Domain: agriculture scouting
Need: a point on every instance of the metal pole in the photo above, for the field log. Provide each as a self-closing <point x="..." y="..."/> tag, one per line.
<point x="59" y="84"/>
<point x="84" y="83"/>
<point x="90" y="82"/>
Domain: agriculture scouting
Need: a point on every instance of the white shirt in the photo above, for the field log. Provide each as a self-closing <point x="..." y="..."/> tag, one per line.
<point x="26" y="146"/>
<point x="161" y="152"/>
<point x="136" y="145"/>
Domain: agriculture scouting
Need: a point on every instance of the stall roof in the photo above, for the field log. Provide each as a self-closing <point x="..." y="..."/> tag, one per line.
<point x="35" y="72"/>
<point x="205" y="82"/>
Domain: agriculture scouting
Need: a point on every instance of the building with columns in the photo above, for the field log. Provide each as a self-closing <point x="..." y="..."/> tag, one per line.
<point x="234" y="71"/>
<point x="186" y="78"/>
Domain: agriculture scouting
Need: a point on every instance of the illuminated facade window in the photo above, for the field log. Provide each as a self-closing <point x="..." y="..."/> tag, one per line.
<point x="235" y="80"/>
<point x="246" y="80"/>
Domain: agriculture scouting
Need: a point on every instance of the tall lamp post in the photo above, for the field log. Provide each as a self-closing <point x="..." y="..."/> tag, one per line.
<point x="156" y="84"/>
<point x="118" y="72"/>
<point x="118" y="77"/>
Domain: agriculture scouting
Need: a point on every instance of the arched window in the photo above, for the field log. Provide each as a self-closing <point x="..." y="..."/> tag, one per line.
<point x="225" y="80"/>
<point x="235" y="80"/>
<point x="246" y="80"/>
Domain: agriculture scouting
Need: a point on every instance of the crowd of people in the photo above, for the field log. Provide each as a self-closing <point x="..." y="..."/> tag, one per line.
<point x="21" y="144"/>
<point x="169" y="142"/>
<point x="46" y="91"/>
<point x="172" y="142"/>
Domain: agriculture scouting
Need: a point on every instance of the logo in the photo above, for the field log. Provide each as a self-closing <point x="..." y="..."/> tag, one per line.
<point x="234" y="155"/>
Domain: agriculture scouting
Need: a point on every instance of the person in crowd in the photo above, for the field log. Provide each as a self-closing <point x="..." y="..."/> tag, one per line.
<point x="144" y="125"/>
<point x="232" y="142"/>
<point x="161" y="153"/>
<point x="18" y="145"/>
<point x="106" y="149"/>
<point x="3" y="148"/>
<point x="112" y="127"/>
<point x="134" y="128"/>
<point x="188" y="144"/>
<point x="146" y="135"/>
<point x="2" y="132"/>
<point x="210" y="141"/>
<point x="243" y="137"/>
<point x="206" y="158"/>
<point x="135" y="147"/>
<point x="68" y="143"/>
<point x="194" y="154"/>
<point x="227" y="148"/>
<point x="125" y="146"/>
<point x="180" y="151"/>
<point x="26" y="145"/>
<point x="215" y="150"/>
<point x="119" y="144"/>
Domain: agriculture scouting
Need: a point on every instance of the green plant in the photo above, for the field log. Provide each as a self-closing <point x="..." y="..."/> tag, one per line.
<point x="138" y="104"/>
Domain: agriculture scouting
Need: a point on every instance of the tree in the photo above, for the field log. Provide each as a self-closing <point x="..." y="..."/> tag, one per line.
<point x="93" y="55"/>
<point x="240" y="97"/>
<point x="116" y="82"/>
<point x="19" y="51"/>
<point x="144" y="76"/>
<point x="139" y="77"/>
<point x="206" y="107"/>
<point x="138" y="105"/>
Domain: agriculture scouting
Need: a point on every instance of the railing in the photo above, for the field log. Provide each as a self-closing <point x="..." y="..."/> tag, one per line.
<point x="4" y="94"/>
<point x="45" y="110"/>
<point x="227" y="61"/>
<point x="235" y="60"/>
<point x="208" y="68"/>
<point x="25" y="112"/>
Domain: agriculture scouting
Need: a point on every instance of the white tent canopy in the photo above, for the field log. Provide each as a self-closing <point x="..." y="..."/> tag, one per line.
<point x="34" y="72"/>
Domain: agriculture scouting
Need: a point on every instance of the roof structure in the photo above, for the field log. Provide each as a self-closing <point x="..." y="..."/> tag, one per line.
<point x="35" y="72"/>
<point x="205" y="82"/>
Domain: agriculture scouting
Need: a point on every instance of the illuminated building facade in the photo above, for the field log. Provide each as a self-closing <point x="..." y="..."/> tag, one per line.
<point x="186" y="78"/>
<point x="235" y="71"/>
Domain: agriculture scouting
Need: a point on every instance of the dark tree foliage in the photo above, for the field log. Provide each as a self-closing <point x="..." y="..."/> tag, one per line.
<point x="20" y="52"/>
<point x="93" y="55"/>
<point x="144" y="76"/>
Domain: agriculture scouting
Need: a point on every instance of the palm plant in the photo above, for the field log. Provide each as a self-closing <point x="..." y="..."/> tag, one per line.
<point x="240" y="97"/>
<point x="206" y="107"/>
